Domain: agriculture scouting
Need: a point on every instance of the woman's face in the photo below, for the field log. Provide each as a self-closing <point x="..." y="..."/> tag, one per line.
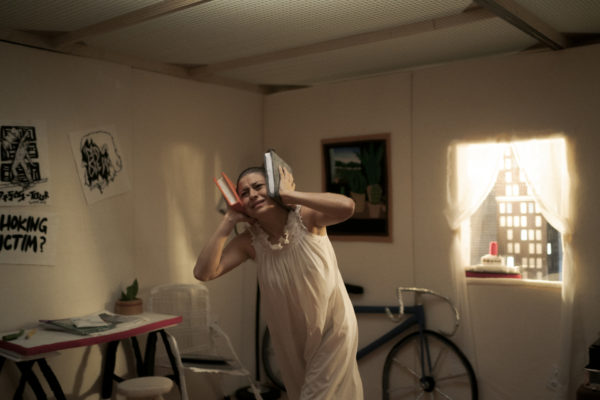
<point x="252" y="189"/>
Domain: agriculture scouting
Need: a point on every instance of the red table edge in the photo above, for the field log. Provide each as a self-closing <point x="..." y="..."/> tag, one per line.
<point x="89" y="340"/>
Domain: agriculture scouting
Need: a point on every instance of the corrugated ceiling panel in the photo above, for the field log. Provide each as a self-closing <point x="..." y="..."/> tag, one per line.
<point x="63" y="15"/>
<point x="567" y="16"/>
<point x="483" y="38"/>
<point x="225" y="29"/>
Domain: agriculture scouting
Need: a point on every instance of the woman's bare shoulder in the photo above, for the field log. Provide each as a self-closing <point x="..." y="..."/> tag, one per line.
<point x="308" y="217"/>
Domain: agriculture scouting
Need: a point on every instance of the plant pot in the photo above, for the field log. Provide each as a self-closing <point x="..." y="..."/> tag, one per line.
<point x="129" y="307"/>
<point x="359" y="202"/>
<point x="375" y="210"/>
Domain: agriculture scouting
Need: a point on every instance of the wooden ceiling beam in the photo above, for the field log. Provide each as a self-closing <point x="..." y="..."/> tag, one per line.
<point x="40" y="41"/>
<point x="468" y="16"/>
<point x="26" y="38"/>
<point x="122" y="21"/>
<point x="159" y="67"/>
<point x="526" y="21"/>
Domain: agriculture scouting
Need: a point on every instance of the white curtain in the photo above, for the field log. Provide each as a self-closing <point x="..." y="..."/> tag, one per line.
<point x="472" y="171"/>
<point x="545" y="165"/>
<point x="471" y="175"/>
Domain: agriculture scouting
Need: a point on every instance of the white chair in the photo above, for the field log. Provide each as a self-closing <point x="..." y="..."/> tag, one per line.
<point x="197" y="342"/>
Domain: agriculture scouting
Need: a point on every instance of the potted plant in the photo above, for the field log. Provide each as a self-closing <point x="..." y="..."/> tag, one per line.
<point x="371" y="158"/>
<point x="129" y="304"/>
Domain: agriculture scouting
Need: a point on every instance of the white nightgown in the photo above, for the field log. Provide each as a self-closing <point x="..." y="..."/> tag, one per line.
<point x="309" y="314"/>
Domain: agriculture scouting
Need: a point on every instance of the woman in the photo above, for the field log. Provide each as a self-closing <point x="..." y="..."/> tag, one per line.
<point x="306" y="306"/>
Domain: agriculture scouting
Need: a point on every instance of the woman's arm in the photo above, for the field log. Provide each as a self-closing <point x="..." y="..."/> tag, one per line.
<point x="216" y="259"/>
<point x="323" y="209"/>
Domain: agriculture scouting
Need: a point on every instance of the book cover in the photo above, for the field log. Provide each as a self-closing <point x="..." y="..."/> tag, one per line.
<point x="272" y="163"/>
<point x="229" y="192"/>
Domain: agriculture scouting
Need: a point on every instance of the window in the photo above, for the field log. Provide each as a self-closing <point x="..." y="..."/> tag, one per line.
<point x="510" y="216"/>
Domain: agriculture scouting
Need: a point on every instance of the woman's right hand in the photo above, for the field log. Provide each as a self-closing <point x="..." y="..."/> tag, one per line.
<point x="218" y="257"/>
<point x="235" y="217"/>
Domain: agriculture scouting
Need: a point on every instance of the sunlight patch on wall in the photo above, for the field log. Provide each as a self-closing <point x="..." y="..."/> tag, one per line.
<point x="189" y="205"/>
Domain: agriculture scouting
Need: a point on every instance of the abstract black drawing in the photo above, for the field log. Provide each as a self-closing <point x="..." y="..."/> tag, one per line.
<point x="100" y="160"/>
<point x="19" y="156"/>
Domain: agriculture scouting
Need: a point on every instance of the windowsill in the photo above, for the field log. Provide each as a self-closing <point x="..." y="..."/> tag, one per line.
<point x="514" y="282"/>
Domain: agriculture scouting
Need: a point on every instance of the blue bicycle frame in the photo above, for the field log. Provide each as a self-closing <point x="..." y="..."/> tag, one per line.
<point x="415" y="315"/>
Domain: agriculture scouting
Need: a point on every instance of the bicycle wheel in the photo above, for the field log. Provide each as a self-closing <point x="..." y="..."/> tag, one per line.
<point x="269" y="363"/>
<point x="447" y="375"/>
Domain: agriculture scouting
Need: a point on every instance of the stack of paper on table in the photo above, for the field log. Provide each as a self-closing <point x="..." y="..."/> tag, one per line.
<point x="90" y="324"/>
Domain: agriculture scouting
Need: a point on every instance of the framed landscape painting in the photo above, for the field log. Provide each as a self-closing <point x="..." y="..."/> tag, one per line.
<point x="359" y="167"/>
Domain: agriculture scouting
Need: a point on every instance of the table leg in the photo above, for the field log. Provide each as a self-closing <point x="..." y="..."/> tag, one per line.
<point x="51" y="379"/>
<point x="172" y="360"/>
<point x="150" y="354"/>
<point x="109" y="369"/>
<point x="27" y="376"/>
<point x="139" y="362"/>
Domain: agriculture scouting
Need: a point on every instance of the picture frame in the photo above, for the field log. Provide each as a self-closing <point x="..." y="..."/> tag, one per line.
<point x="359" y="167"/>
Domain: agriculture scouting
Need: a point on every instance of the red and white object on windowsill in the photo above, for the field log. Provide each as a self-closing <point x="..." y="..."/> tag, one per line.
<point x="493" y="266"/>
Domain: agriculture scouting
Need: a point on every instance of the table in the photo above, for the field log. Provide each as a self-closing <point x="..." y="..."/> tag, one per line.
<point x="47" y="343"/>
<point x="587" y="393"/>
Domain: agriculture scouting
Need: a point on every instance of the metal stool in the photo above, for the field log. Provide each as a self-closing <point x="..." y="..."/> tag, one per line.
<point x="146" y="387"/>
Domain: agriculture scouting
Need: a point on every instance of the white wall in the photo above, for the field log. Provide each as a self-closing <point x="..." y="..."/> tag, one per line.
<point x="426" y="110"/>
<point x="175" y="136"/>
<point x="520" y="96"/>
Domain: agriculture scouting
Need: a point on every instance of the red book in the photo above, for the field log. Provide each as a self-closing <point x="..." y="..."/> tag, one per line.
<point x="472" y="274"/>
<point x="229" y="192"/>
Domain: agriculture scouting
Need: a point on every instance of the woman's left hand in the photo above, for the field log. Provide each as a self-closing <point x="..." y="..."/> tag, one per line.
<point x="286" y="181"/>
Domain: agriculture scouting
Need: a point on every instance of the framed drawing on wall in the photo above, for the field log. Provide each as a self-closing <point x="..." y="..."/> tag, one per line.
<point x="359" y="167"/>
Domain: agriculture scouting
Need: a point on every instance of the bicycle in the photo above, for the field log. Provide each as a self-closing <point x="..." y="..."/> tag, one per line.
<point x="423" y="364"/>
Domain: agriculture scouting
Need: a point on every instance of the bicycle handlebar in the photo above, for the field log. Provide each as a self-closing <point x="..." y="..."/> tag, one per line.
<point x="419" y="291"/>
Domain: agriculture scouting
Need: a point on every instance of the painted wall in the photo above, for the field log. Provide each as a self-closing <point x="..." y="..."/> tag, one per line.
<point x="426" y="110"/>
<point x="176" y="135"/>
<point x="521" y="96"/>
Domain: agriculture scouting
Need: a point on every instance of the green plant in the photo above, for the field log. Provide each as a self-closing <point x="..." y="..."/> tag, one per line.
<point x="370" y="159"/>
<point x="351" y="174"/>
<point x="130" y="292"/>
<point x="357" y="181"/>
